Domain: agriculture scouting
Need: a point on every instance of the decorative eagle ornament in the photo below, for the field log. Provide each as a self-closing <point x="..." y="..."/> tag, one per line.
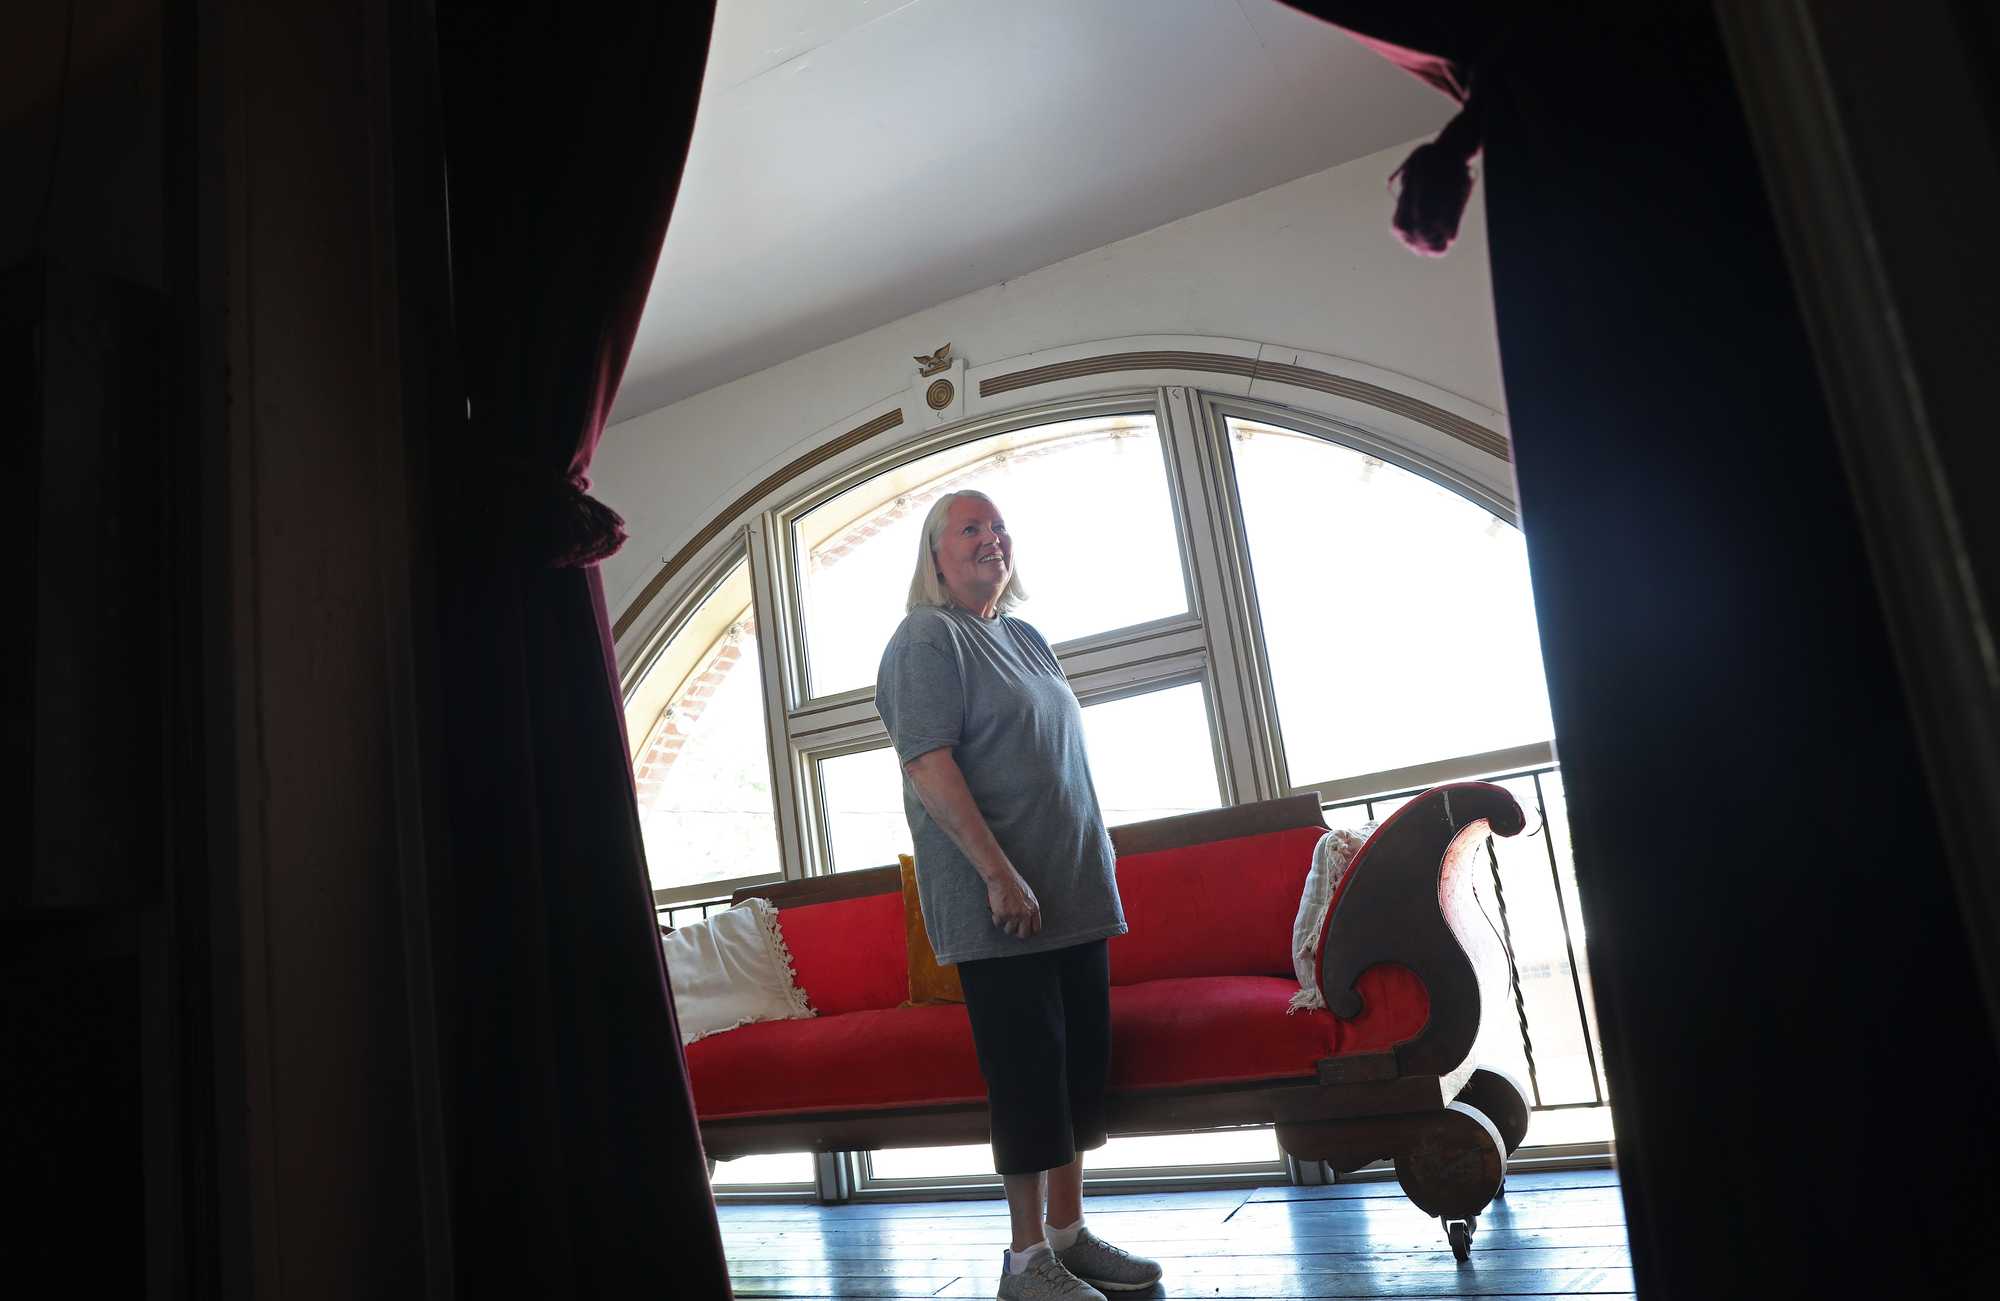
<point x="937" y="361"/>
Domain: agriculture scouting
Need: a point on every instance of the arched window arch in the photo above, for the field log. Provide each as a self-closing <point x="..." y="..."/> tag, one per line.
<point x="1096" y="521"/>
<point x="1392" y="611"/>
<point x="700" y="763"/>
<point x="1250" y="597"/>
<point x="1076" y="492"/>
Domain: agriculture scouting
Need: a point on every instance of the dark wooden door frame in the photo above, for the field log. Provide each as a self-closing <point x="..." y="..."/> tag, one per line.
<point x="1873" y="126"/>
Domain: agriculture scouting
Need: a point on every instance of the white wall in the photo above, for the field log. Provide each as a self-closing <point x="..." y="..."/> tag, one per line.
<point x="1310" y="264"/>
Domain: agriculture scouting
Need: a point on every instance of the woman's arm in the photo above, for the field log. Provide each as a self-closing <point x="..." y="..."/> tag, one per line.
<point x="941" y="788"/>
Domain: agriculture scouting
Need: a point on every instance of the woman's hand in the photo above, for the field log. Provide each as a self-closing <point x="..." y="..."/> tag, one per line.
<point x="1015" y="908"/>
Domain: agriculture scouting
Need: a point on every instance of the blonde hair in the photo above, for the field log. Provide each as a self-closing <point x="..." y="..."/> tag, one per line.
<point x="926" y="585"/>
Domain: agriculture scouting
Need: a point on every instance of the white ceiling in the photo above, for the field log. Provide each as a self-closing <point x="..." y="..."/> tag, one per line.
<point x="855" y="161"/>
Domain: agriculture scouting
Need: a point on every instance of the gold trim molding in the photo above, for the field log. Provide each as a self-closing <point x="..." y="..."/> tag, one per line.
<point x="1469" y="432"/>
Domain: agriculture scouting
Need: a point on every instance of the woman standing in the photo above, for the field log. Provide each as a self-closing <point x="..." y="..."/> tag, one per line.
<point x="1015" y="871"/>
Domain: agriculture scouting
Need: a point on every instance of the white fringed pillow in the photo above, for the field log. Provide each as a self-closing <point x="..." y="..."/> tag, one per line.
<point x="732" y="969"/>
<point x="1335" y="850"/>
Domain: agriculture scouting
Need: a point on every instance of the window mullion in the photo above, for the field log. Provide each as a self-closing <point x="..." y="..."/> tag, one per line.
<point x="767" y="596"/>
<point x="1253" y="768"/>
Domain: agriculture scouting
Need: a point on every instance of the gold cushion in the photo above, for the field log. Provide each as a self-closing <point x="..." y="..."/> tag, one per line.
<point x="929" y="981"/>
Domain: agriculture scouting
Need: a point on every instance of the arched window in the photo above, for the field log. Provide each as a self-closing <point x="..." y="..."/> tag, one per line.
<point x="1386" y="604"/>
<point x="1250" y="600"/>
<point x="1087" y="501"/>
<point x="702" y="767"/>
<point x="1099" y="548"/>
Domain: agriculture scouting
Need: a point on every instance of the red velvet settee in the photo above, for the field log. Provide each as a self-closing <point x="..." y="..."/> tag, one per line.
<point x="1201" y="1036"/>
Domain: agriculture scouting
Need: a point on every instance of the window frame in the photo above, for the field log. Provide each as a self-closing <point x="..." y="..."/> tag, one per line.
<point x="823" y="826"/>
<point x="1126" y="685"/>
<point x="1106" y="1179"/>
<point x="1218" y="410"/>
<point x="1217" y="640"/>
<point x="686" y="603"/>
<point x="782" y="520"/>
<point x="1122" y="659"/>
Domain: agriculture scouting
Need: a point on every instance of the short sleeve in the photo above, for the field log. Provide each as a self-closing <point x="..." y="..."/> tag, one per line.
<point x="922" y="699"/>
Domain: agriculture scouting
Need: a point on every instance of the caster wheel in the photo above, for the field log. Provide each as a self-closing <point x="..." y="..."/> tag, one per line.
<point x="1503" y="1101"/>
<point x="1452" y="1169"/>
<point x="1459" y="1232"/>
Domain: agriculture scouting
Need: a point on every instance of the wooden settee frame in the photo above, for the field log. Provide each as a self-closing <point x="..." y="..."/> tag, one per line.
<point x="1448" y="1124"/>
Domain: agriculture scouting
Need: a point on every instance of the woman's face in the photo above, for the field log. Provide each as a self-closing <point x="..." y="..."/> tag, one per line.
<point x="974" y="552"/>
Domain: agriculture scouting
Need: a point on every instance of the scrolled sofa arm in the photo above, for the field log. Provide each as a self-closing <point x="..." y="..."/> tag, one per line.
<point x="1408" y="899"/>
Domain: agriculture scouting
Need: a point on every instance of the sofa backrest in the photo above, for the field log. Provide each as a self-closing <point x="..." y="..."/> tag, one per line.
<point x="1213" y="893"/>
<point x="1222" y="908"/>
<point x="848" y="956"/>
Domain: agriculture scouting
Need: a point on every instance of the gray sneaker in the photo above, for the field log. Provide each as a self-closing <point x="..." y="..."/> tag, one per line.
<point x="1046" y="1280"/>
<point x="1094" y="1260"/>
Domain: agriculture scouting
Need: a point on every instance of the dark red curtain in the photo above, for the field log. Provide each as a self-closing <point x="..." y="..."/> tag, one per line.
<point x="577" y="1163"/>
<point x="1777" y="953"/>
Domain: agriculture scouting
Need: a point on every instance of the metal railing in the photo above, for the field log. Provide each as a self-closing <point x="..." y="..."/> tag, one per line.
<point x="680" y="914"/>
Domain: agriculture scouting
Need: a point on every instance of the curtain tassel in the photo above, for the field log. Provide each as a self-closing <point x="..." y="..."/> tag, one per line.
<point x="1435" y="182"/>
<point x="581" y="529"/>
<point x="541" y="521"/>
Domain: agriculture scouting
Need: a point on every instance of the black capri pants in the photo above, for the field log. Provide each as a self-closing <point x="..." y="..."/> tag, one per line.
<point x="1041" y="1023"/>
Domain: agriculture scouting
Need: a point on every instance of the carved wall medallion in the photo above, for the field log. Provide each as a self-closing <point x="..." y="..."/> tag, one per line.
<point x="940" y="394"/>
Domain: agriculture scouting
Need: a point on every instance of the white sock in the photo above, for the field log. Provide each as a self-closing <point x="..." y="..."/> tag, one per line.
<point x="1017" y="1262"/>
<point x="1062" y="1239"/>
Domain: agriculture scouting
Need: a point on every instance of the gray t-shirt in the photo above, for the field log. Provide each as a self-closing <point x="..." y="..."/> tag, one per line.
<point x="991" y="690"/>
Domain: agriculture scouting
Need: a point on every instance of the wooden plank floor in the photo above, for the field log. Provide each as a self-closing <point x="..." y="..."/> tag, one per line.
<point x="1554" y="1234"/>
